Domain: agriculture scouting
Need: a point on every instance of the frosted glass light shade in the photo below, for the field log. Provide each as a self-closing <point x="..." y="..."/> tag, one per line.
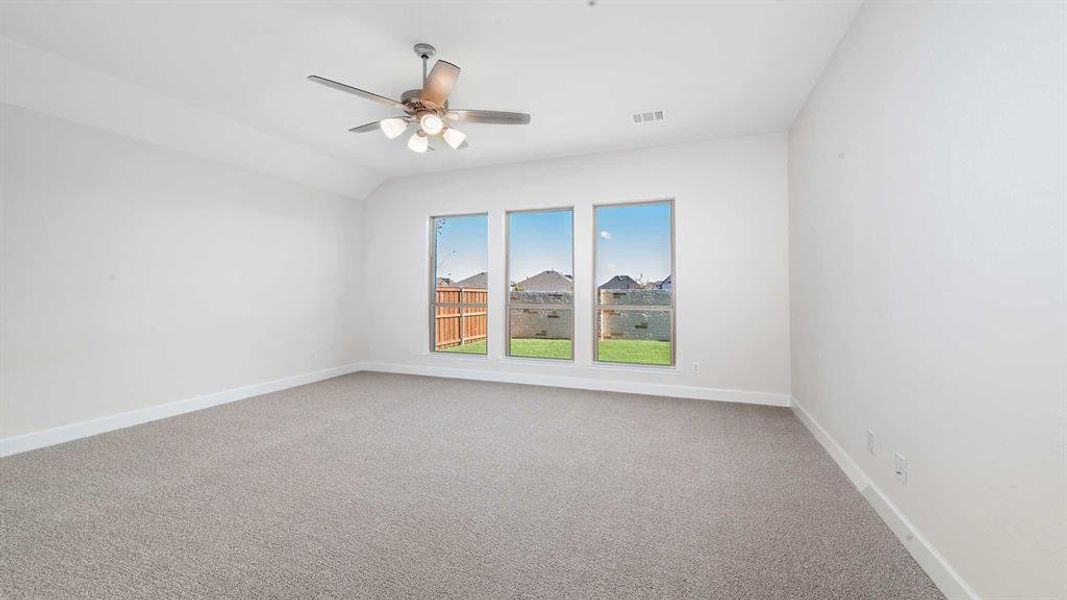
<point x="431" y="123"/>
<point x="454" y="137"/>
<point x="393" y="127"/>
<point x="418" y="142"/>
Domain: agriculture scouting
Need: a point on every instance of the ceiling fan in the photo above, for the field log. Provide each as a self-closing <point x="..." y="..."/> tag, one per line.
<point x="427" y="108"/>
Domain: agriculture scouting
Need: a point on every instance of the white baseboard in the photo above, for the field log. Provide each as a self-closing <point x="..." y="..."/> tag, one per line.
<point x="586" y="383"/>
<point x="947" y="579"/>
<point x="933" y="562"/>
<point x="66" y="433"/>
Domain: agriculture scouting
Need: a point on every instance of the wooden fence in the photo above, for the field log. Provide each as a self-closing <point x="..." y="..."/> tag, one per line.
<point x="455" y="325"/>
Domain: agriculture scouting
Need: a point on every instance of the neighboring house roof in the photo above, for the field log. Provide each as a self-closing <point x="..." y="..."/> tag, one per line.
<point x="665" y="284"/>
<point x="620" y="282"/>
<point x="479" y="281"/>
<point x="546" y="281"/>
<point x="445" y="282"/>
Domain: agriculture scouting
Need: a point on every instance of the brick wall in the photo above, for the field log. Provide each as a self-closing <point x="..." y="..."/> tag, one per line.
<point x="635" y="324"/>
<point x="556" y="322"/>
<point x="553" y="322"/>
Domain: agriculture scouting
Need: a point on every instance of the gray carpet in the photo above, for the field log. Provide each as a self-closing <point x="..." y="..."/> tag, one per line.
<point x="390" y="486"/>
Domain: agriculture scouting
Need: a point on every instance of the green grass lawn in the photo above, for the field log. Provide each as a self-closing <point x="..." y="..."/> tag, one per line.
<point x="640" y="352"/>
<point x="534" y="348"/>
<point x="468" y="348"/>
<point x="520" y="347"/>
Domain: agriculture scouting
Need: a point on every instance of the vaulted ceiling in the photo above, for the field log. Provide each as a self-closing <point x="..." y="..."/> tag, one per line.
<point x="716" y="69"/>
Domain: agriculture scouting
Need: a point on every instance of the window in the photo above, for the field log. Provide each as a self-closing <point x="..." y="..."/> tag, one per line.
<point x="459" y="294"/>
<point x="541" y="284"/>
<point x="634" y="279"/>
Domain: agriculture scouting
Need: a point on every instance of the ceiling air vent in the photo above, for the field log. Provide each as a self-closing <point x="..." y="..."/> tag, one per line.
<point x="648" y="117"/>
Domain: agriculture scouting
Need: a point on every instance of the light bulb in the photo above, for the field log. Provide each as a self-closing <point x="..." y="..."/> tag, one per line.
<point x="418" y="142"/>
<point x="454" y="137"/>
<point x="431" y="123"/>
<point x="393" y="127"/>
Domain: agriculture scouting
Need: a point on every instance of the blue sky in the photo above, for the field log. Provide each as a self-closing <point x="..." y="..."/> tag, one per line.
<point x="462" y="246"/>
<point x="632" y="240"/>
<point x="539" y="241"/>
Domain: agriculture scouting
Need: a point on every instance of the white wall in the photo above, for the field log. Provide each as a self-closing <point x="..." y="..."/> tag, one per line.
<point x="731" y="273"/>
<point x="135" y="275"/>
<point x="926" y="199"/>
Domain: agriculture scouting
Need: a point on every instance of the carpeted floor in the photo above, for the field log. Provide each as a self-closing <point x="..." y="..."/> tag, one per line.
<point x="390" y="486"/>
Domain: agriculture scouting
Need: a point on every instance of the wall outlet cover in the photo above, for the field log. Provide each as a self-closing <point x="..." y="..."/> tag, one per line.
<point x="900" y="467"/>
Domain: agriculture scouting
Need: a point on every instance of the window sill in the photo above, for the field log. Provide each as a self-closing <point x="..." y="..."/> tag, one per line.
<point x="456" y="356"/>
<point x="518" y="360"/>
<point x="669" y="369"/>
<point x="556" y="362"/>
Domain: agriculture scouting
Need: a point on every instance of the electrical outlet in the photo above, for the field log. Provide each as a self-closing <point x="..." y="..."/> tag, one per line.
<point x="695" y="367"/>
<point x="900" y="467"/>
<point x="870" y="443"/>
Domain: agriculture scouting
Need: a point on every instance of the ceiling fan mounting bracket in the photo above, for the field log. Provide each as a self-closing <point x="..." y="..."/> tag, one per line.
<point x="424" y="51"/>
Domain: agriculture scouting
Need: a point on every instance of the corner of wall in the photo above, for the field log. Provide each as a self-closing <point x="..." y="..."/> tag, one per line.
<point x="947" y="579"/>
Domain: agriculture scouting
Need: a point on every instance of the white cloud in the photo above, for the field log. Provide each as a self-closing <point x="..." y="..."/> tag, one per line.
<point x="606" y="235"/>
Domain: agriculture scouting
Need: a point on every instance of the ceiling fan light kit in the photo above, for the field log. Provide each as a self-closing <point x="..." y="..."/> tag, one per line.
<point x="431" y="123"/>
<point x="392" y="128"/>
<point x="418" y="142"/>
<point x="427" y="107"/>
<point x="454" y="138"/>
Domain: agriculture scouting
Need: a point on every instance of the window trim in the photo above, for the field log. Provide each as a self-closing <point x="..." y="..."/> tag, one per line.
<point x="508" y="306"/>
<point x="671" y="309"/>
<point x="431" y="337"/>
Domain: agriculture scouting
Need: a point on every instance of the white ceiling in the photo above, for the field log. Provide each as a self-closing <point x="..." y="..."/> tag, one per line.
<point x="718" y="69"/>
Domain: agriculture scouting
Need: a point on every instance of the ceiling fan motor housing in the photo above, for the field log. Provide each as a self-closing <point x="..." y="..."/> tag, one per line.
<point x="413" y="100"/>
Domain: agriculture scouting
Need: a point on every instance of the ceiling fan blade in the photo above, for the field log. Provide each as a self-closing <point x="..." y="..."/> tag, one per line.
<point x="373" y="126"/>
<point x="439" y="83"/>
<point x="463" y="145"/>
<point x="495" y="117"/>
<point x="357" y="92"/>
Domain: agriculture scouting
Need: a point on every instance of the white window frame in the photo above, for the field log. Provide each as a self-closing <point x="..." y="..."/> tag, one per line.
<point x="669" y="309"/>
<point x="509" y="305"/>
<point x="432" y="337"/>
